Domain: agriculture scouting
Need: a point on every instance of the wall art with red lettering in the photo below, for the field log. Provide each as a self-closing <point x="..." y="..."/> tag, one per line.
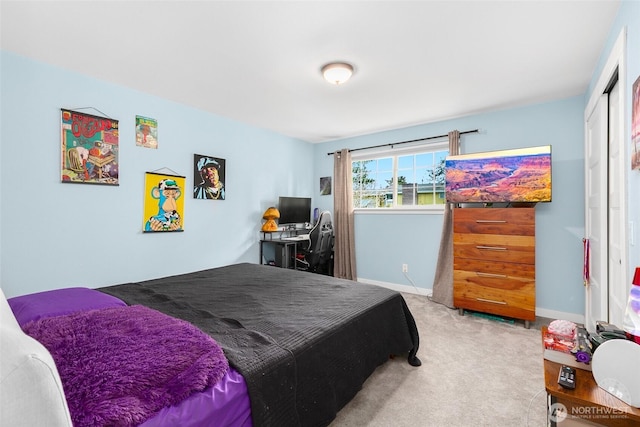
<point x="89" y="148"/>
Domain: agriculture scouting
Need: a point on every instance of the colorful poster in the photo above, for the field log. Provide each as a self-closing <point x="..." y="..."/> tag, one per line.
<point x="208" y="177"/>
<point x="163" y="203"/>
<point x="635" y="125"/>
<point x="146" y="132"/>
<point x="89" y="148"/>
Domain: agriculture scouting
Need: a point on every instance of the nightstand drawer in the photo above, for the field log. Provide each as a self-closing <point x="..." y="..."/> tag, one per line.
<point x="514" y="221"/>
<point x="490" y="247"/>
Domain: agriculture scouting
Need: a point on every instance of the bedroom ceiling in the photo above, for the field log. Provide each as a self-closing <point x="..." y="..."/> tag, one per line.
<point x="259" y="62"/>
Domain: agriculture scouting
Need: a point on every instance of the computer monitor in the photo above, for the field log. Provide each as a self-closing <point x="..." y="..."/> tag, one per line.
<point x="294" y="210"/>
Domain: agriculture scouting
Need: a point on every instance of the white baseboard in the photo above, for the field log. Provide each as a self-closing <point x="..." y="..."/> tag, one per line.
<point x="553" y="314"/>
<point x="399" y="288"/>
<point x="540" y="312"/>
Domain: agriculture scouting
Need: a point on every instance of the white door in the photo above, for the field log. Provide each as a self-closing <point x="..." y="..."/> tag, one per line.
<point x="618" y="286"/>
<point x="605" y="192"/>
<point x="596" y="195"/>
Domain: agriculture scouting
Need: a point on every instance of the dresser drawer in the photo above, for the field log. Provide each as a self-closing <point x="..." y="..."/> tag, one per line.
<point x="508" y="221"/>
<point x="491" y="287"/>
<point x="483" y="271"/>
<point x="505" y="297"/>
<point x="491" y="247"/>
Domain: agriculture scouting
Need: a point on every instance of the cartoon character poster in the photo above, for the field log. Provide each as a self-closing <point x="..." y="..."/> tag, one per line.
<point x="89" y="148"/>
<point x="163" y="202"/>
<point x="208" y="177"/>
<point x="146" y="132"/>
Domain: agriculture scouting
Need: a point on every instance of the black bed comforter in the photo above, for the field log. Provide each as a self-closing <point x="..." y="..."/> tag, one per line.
<point x="305" y="343"/>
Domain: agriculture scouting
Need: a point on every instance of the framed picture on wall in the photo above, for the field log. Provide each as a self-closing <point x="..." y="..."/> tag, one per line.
<point x="89" y="149"/>
<point x="146" y="132"/>
<point x="325" y="186"/>
<point x="208" y="177"/>
<point x="163" y="202"/>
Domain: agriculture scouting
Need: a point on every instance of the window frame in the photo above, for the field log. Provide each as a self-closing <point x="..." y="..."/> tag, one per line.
<point x="394" y="153"/>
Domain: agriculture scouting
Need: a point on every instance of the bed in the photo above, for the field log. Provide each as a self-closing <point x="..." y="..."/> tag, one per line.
<point x="298" y="346"/>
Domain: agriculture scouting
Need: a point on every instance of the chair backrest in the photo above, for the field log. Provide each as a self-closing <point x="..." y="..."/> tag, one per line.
<point x="321" y="240"/>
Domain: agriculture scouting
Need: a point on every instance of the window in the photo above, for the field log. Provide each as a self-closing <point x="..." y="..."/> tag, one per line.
<point x="410" y="178"/>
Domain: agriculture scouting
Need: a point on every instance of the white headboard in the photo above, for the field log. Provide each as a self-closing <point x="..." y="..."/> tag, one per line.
<point x="31" y="392"/>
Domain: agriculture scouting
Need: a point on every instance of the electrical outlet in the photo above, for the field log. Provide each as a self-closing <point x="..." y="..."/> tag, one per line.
<point x="405" y="268"/>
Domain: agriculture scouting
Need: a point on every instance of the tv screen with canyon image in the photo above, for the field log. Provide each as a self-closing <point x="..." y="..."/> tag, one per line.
<point x="521" y="175"/>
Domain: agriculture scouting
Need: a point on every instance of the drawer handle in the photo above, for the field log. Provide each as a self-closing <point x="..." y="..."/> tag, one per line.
<point x="491" y="248"/>
<point x="479" y="273"/>
<point x="491" y="301"/>
<point x="490" y="221"/>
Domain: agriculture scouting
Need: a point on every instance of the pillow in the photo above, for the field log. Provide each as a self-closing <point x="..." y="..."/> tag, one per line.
<point x="58" y="302"/>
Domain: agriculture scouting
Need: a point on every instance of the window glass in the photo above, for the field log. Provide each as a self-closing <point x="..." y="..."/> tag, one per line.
<point x="412" y="179"/>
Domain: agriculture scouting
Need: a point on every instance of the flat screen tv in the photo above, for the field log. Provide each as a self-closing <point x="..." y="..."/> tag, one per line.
<point x="294" y="210"/>
<point x="520" y="175"/>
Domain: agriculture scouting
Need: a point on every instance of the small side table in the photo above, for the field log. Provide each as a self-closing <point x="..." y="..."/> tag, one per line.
<point x="586" y="402"/>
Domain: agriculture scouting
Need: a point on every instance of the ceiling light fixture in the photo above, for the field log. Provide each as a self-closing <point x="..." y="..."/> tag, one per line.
<point x="337" y="72"/>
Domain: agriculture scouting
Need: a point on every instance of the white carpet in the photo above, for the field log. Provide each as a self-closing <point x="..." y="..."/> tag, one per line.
<point x="475" y="372"/>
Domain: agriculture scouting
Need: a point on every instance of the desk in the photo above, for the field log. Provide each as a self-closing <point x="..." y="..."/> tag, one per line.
<point x="285" y="251"/>
<point x="586" y="402"/>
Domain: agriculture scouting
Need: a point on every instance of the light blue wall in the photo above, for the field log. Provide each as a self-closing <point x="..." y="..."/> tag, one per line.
<point x="55" y="235"/>
<point x="385" y="242"/>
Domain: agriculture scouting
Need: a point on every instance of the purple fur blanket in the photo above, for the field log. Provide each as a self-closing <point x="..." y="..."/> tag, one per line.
<point x="121" y="365"/>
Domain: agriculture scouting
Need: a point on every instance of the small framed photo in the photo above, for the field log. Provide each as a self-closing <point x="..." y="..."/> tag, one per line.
<point x="146" y="132"/>
<point x="325" y="186"/>
<point x="208" y="177"/>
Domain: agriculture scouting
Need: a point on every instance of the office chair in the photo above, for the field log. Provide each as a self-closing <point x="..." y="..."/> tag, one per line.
<point x="318" y="253"/>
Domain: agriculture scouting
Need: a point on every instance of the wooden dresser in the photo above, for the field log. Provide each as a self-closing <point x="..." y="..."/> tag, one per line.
<point x="494" y="261"/>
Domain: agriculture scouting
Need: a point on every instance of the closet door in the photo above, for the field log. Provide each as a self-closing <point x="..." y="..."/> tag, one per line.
<point x="607" y="167"/>
<point x="618" y="166"/>
<point x="596" y="193"/>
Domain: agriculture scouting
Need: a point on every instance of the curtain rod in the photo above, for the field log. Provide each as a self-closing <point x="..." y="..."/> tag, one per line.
<point x="406" y="142"/>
